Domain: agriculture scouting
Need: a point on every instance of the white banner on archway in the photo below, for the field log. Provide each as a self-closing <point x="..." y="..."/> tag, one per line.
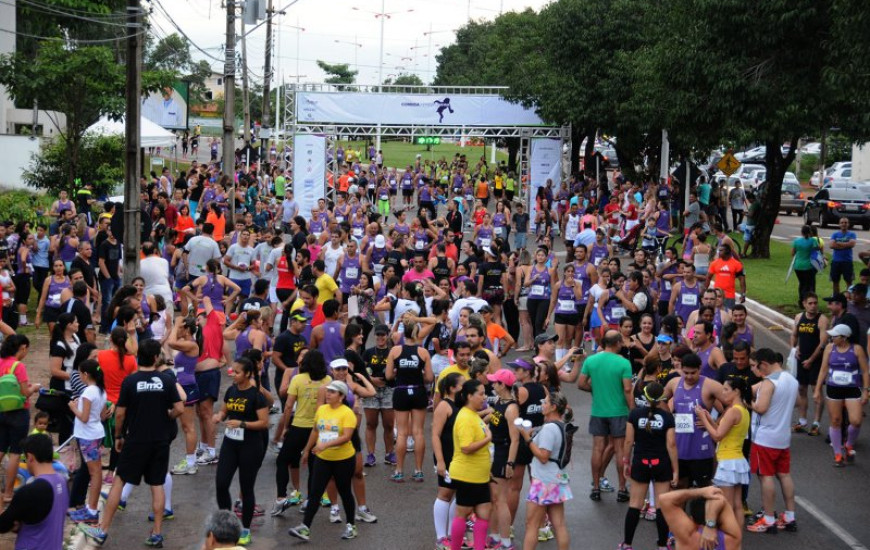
<point x="413" y="109"/>
<point x="309" y="171"/>
<point x="545" y="162"/>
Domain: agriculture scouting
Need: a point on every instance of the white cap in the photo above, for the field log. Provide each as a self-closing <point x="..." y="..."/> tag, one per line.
<point x="840" y="330"/>
<point x="380" y="241"/>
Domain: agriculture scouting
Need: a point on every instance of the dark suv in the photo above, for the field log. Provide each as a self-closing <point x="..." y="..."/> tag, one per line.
<point x="829" y="205"/>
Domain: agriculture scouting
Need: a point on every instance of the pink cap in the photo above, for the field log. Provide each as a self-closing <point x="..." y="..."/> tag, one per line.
<point x="505" y="376"/>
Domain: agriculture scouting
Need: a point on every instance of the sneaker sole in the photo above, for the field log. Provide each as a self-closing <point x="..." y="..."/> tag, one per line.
<point x="298" y="535"/>
<point x="360" y="518"/>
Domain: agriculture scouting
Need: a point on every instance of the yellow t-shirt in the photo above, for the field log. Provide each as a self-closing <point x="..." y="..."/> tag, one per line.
<point x="326" y="288"/>
<point x="499" y="182"/>
<point x="330" y="424"/>
<point x="451" y="369"/>
<point x="731" y="446"/>
<point x="305" y="390"/>
<point x="472" y="468"/>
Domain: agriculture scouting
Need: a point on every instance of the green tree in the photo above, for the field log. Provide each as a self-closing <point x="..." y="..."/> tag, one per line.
<point x="404" y="79"/>
<point x="99" y="164"/>
<point x="172" y="53"/>
<point x="339" y="73"/>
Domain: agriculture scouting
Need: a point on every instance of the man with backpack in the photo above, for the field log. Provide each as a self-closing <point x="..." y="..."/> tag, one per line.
<point x="610" y="374"/>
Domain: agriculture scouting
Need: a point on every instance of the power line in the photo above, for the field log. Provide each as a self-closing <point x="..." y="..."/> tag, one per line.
<point x="116" y="15"/>
<point x="74" y="40"/>
<point x="184" y="34"/>
<point x="91" y="17"/>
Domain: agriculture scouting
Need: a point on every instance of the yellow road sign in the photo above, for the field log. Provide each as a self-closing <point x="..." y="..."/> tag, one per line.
<point x="728" y="164"/>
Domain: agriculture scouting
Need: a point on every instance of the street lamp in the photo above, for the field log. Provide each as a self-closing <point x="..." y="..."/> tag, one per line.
<point x="382" y="15"/>
<point x="356" y="46"/>
<point x="429" y="34"/>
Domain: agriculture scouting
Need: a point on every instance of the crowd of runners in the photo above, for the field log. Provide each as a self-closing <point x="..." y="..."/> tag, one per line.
<point x="397" y="299"/>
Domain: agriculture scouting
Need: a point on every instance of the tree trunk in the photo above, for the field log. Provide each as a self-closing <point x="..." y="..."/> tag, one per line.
<point x="576" y="141"/>
<point x="769" y="197"/>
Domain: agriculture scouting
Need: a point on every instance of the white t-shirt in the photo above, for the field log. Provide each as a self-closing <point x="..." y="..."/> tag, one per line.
<point x="200" y="250"/>
<point x="155" y="271"/>
<point x="93" y="428"/>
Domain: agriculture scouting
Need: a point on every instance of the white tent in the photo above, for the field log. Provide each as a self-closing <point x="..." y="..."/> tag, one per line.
<point x="151" y="134"/>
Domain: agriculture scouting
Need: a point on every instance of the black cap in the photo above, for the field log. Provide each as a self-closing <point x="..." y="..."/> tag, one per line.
<point x="486" y="308"/>
<point x="382" y="329"/>
<point x="839" y="298"/>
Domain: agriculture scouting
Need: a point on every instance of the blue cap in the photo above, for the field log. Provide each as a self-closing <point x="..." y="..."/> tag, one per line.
<point x="665" y="339"/>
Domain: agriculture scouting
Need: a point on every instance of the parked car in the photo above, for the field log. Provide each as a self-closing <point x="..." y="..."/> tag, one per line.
<point x="756" y="154"/>
<point x="815" y="179"/>
<point x="812" y="148"/>
<point x="792" y="198"/>
<point x="829" y="205"/>
<point x="742" y="173"/>
<point x="840" y="175"/>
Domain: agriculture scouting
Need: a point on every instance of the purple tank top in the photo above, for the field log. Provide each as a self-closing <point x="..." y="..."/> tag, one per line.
<point x="582" y="277"/>
<point x="688" y="300"/>
<point x="185" y="365"/>
<point x="54" y="290"/>
<point x="67" y="252"/>
<point x="665" y="295"/>
<point x="243" y="342"/>
<point x="693" y="443"/>
<point x="598" y="254"/>
<point x="565" y="303"/>
<point x="146" y="309"/>
<point x="706" y="370"/>
<point x="662" y="222"/>
<point x="350" y="271"/>
<point x="484" y="237"/>
<point x="425" y="194"/>
<point x="306" y="332"/>
<point x="499" y="220"/>
<point x="332" y="345"/>
<point x="315" y="225"/>
<point x="383" y="193"/>
<point x="457" y="182"/>
<point x="28" y="260"/>
<point x="746" y="336"/>
<point x="843" y="369"/>
<point x="357" y="228"/>
<point x="407" y="181"/>
<point x="613" y="309"/>
<point x="49" y="533"/>
<point x="215" y="291"/>
<point x="403" y="229"/>
<point x="540" y="284"/>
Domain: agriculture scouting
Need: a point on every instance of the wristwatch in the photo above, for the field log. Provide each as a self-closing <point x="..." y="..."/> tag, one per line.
<point x="711" y="523"/>
<point x="243" y="424"/>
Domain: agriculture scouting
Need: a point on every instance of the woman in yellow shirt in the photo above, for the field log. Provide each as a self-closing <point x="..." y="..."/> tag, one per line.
<point x="334" y="425"/>
<point x="470" y="468"/>
<point x="730" y="431"/>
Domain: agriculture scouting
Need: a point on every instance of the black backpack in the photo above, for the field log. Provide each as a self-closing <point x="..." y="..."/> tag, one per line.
<point x="564" y="457"/>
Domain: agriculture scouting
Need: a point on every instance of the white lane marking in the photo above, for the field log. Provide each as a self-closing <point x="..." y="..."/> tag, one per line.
<point x="832" y="525"/>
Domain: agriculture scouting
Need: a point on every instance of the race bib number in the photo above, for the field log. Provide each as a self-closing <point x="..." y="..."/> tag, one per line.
<point x="468" y="197"/>
<point x="668" y="285"/>
<point x="236" y="434"/>
<point x="379" y="268"/>
<point x="684" y="423"/>
<point x="358" y="232"/>
<point x="484" y="243"/>
<point x="326" y="436"/>
<point x="537" y="290"/>
<point x="339" y="219"/>
<point x="499" y="231"/>
<point x="54" y="298"/>
<point x="410" y="392"/>
<point x="597" y="261"/>
<point x="841" y="378"/>
<point x="689" y="300"/>
<point x="567" y="305"/>
<point x="352" y="272"/>
<point x="618" y="312"/>
<point x="419" y="245"/>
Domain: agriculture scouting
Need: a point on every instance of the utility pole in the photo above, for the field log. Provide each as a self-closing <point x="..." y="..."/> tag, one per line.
<point x="132" y="212"/>
<point x="245" y="102"/>
<point x="267" y="75"/>
<point x="229" y="150"/>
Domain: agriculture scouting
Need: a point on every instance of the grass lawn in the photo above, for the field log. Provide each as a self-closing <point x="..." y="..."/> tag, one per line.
<point x="401" y="153"/>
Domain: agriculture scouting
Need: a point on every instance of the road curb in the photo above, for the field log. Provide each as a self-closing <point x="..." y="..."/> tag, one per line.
<point x="771" y="317"/>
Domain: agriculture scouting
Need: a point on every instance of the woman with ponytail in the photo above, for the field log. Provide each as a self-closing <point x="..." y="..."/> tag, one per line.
<point x="116" y="364"/>
<point x="650" y="431"/>
<point x="89" y="432"/>
<point x="183" y="339"/>
<point x="730" y="431"/>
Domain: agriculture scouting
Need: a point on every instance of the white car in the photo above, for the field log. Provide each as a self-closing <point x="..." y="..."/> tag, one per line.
<point x="754" y="153"/>
<point x="815" y="179"/>
<point x="812" y="148"/>
<point x="839" y="175"/>
<point x="742" y="172"/>
<point x="759" y="176"/>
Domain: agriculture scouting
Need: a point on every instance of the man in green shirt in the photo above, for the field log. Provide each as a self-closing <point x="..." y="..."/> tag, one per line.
<point x="280" y="183"/>
<point x="610" y="375"/>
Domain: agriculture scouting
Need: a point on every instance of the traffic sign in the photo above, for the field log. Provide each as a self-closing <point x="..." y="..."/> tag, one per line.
<point x="428" y="140"/>
<point x="728" y="164"/>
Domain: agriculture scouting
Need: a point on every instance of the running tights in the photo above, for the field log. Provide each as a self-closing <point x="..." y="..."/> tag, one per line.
<point x="538" y="309"/>
<point x="322" y="472"/>
<point x="632" y="518"/>
<point x="246" y="457"/>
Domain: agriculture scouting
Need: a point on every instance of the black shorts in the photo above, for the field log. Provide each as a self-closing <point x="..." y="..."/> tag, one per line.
<point x="148" y="461"/>
<point x="809" y="377"/>
<point x="50" y="314"/>
<point x="410" y="399"/>
<point x="699" y="472"/>
<point x="471" y="494"/>
<point x="844" y="270"/>
<point x="13" y="430"/>
<point x="443" y="483"/>
<point x="355" y="441"/>
<point x="393" y="192"/>
<point x="209" y="383"/>
<point x="494" y="296"/>
<point x="841" y="393"/>
<point x="497" y="193"/>
<point x="572" y="319"/>
<point x="407" y="192"/>
<point x="499" y="459"/>
<point x="294" y="443"/>
<point x="644" y="470"/>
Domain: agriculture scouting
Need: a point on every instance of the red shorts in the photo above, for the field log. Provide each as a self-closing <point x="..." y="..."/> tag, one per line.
<point x="764" y="461"/>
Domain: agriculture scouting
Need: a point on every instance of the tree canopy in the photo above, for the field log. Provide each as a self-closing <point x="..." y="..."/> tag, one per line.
<point x="339" y="73"/>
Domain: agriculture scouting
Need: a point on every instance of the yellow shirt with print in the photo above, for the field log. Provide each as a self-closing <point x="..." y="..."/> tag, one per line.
<point x="451" y="369"/>
<point x="305" y="390"/>
<point x="326" y="288"/>
<point x="330" y="425"/>
<point x="474" y="467"/>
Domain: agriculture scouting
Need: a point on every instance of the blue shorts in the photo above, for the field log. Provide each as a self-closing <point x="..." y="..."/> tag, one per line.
<point x="193" y="393"/>
<point x="209" y="384"/>
<point x="519" y="240"/>
<point x="594" y="321"/>
<point x="747" y="233"/>
<point x="244" y="285"/>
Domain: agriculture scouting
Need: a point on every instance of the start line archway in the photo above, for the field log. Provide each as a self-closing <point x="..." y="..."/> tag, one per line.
<point x="320" y="113"/>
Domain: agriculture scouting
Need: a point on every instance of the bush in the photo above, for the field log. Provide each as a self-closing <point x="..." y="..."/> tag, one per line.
<point x="101" y="162"/>
<point x="19" y="206"/>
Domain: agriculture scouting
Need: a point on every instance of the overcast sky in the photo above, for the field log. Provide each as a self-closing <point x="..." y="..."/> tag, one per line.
<point x="406" y="48"/>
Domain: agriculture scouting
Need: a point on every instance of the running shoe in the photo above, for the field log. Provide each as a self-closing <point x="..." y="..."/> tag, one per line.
<point x="183" y="468"/>
<point x="650" y="514"/>
<point x="623" y="546"/>
<point x="762" y="526"/>
<point x="549" y="528"/>
<point x="365" y="515"/>
<point x="294" y="498"/>
<point x="814" y="430"/>
<point x="279" y="507"/>
<point x="370" y="460"/>
<point x="623" y="495"/>
<point x="492" y="543"/>
<point x="324" y="501"/>
<point x="275" y="446"/>
<point x="545" y="533"/>
<point x="154" y="541"/>
<point x="595" y="495"/>
<point x="167" y="515"/>
<point x="849" y="453"/>
<point x="390" y="458"/>
<point x="94" y="533"/>
<point x="398" y="477"/>
<point x="350" y="532"/>
<point x="258" y="510"/>
<point x="839" y="462"/>
<point x="443" y="543"/>
<point x="300" y="532"/>
<point x="276" y="408"/>
<point x="245" y="537"/>
<point x="207" y="459"/>
<point x="799" y="428"/>
<point x="83" y="516"/>
<point x="417" y="476"/>
<point x="781" y="523"/>
<point x="605" y="485"/>
<point x="334" y="515"/>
